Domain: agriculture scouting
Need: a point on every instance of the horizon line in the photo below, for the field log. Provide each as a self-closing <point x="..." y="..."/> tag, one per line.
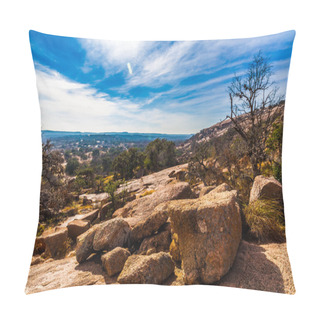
<point x="78" y="131"/>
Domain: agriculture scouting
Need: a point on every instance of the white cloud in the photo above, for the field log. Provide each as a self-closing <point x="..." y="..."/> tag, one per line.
<point x="71" y="106"/>
<point x="113" y="56"/>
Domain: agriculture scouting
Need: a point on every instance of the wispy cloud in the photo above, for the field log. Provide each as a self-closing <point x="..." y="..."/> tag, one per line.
<point x="69" y="104"/>
<point x="129" y="67"/>
<point x="72" y="106"/>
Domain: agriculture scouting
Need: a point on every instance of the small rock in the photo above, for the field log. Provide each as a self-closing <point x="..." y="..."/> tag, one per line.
<point x="171" y="174"/>
<point x="221" y="188"/>
<point x="154" y="268"/>
<point x="206" y="190"/>
<point x="77" y="227"/>
<point x="55" y="241"/>
<point x="113" y="261"/>
<point x="36" y="260"/>
<point x="266" y="188"/>
<point x="91" y="216"/>
<point x="111" y="234"/>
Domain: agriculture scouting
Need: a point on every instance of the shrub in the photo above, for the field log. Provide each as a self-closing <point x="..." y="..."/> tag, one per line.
<point x="277" y="171"/>
<point x="73" y="165"/>
<point x="265" y="219"/>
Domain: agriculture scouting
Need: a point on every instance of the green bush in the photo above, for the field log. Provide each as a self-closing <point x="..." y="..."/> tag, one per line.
<point x="265" y="219"/>
<point x="277" y="171"/>
<point x="73" y="165"/>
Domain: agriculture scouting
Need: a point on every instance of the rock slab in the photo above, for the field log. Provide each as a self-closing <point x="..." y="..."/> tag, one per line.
<point x="140" y="208"/>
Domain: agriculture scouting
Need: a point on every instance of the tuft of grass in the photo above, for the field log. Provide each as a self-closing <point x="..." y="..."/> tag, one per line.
<point x="40" y="229"/>
<point x="147" y="193"/>
<point x="265" y="219"/>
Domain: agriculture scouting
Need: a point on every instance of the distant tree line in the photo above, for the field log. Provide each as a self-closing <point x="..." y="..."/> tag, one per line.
<point x="96" y="171"/>
<point x="127" y="164"/>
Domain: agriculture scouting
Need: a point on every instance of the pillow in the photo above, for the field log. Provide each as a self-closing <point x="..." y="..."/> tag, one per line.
<point x="161" y="162"/>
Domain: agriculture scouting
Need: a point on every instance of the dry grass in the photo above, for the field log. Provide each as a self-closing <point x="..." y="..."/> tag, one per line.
<point x="147" y="193"/>
<point x="265" y="220"/>
<point x="107" y="179"/>
<point x="174" y="248"/>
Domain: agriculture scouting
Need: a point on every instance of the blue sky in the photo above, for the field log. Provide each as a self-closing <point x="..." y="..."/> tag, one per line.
<point x="145" y="86"/>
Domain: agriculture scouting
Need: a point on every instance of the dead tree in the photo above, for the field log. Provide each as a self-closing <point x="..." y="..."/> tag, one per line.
<point x="254" y="103"/>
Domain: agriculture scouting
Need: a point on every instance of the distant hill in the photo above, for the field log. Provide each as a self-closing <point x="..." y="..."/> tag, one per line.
<point x="67" y="139"/>
<point x="212" y="132"/>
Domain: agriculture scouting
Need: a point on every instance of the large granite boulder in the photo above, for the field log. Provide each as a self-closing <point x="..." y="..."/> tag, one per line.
<point x="111" y="234"/>
<point x="140" y="208"/>
<point x="77" y="227"/>
<point x="209" y="233"/>
<point x="267" y="188"/>
<point x="56" y="241"/>
<point x="114" y="260"/>
<point x="152" y="269"/>
<point x="150" y="224"/>
<point x="85" y="244"/>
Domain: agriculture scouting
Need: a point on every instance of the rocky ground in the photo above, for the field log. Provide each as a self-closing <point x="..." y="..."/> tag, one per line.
<point x="174" y="235"/>
<point x="259" y="267"/>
